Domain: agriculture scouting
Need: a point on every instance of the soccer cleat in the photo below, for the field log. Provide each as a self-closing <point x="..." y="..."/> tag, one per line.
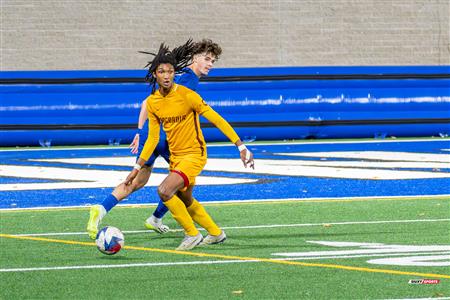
<point x="155" y="224"/>
<point x="94" y="220"/>
<point x="190" y="242"/>
<point x="214" y="239"/>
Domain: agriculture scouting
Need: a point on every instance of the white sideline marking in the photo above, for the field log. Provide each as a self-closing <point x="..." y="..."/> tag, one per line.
<point x="354" y="170"/>
<point x="435" y="260"/>
<point x="363" y="255"/>
<point x="89" y="178"/>
<point x="207" y="262"/>
<point x="379" y="155"/>
<point x="275" y="143"/>
<point x="438" y="298"/>
<point x="411" y="255"/>
<point x="392" y="160"/>
<point x="241" y="201"/>
<point x="255" y="226"/>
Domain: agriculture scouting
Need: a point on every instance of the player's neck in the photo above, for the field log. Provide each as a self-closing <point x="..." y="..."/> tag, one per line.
<point x="165" y="91"/>
<point x="195" y="70"/>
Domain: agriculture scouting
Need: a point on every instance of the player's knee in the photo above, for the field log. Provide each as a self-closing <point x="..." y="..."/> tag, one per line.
<point x="164" y="194"/>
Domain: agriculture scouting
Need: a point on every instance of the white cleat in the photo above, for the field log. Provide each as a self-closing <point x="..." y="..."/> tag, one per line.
<point x="155" y="224"/>
<point x="214" y="239"/>
<point x="190" y="242"/>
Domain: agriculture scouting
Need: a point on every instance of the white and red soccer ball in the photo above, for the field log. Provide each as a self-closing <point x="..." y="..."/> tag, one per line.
<point x="110" y="240"/>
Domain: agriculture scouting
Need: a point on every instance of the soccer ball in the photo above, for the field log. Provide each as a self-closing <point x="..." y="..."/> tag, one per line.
<point x="110" y="240"/>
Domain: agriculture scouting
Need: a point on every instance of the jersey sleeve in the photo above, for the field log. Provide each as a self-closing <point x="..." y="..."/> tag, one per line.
<point x="153" y="135"/>
<point x="200" y="106"/>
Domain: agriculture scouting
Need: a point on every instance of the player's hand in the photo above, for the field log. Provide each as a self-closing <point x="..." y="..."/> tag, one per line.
<point x="134" y="144"/>
<point x="247" y="158"/>
<point x="131" y="177"/>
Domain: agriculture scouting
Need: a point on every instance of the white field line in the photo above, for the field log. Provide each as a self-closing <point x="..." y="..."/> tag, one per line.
<point x="206" y="262"/>
<point x="277" y="143"/>
<point x="220" y="261"/>
<point x="256" y="226"/>
<point x="242" y="201"/>
<point x="438" y="298"/>
<point x="367" y="255"/>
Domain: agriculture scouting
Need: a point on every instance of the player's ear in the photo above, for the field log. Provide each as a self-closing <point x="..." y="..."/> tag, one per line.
<point x="195" y="58"/>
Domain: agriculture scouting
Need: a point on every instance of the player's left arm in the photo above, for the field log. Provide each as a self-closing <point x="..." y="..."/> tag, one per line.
<point x="211" y="115"/>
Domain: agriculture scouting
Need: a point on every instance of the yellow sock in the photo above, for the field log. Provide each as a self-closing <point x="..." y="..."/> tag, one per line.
<point x="202" y="218"/>
<point x="181" y="215"/>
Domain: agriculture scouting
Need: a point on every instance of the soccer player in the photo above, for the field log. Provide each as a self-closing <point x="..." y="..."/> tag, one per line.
<point x="177" y="109"/>
<point x="205" y="54"/>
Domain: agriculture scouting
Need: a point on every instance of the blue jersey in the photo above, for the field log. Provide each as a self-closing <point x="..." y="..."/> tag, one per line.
<point x="187" y="79"/>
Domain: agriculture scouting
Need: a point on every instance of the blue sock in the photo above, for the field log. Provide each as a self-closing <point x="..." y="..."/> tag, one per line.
<point x="161" y="210"/>
<point x="109" y="202"/>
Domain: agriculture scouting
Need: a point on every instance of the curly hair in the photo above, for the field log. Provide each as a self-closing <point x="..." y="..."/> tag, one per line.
<point x="207" y="46"/>
<point x="180" y="57"/>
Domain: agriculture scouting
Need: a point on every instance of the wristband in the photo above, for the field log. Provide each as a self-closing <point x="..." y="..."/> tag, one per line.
<point x="242" y="147"/>
<point x="137" y="167"/>
<point x="139" y="131"/>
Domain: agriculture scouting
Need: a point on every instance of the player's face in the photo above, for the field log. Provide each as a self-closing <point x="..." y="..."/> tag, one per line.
<point x="204" y="62"/>
<point x="164" y="75"/>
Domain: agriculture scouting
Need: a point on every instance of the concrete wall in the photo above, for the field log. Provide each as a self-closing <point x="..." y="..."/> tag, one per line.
<point x="93" y="34"/>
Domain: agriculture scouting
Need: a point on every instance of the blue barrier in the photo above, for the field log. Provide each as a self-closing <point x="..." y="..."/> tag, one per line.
<point x="102" y="107"/>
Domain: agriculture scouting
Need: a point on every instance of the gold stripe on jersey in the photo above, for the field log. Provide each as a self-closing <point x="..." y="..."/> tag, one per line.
<point x="178" y="112"/>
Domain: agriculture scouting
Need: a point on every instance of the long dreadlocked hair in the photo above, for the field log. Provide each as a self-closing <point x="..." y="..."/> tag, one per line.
<point x="180" y="57"/>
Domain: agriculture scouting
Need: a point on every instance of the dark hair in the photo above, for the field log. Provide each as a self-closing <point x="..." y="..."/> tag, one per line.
<point x="180" y="57"/>
<point x="207" y="46"/>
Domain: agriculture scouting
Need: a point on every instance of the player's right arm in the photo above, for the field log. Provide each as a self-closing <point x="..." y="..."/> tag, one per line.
<point x="149" y="147"/>
<point x="143" y="115"/>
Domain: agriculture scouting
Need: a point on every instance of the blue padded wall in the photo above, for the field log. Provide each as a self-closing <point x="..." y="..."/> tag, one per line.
<point x="327" y="102"/>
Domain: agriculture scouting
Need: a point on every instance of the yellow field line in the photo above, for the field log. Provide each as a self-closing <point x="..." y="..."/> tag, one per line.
<point x="256" y="202"/>
<point x="242" y="258"/>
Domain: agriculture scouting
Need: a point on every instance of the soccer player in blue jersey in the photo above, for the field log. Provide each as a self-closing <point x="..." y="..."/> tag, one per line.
<point x="206" y="53"/>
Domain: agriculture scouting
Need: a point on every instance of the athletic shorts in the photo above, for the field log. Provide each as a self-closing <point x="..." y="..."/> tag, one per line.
<point x="162" y="149"/>
<point x="187" y="166"/>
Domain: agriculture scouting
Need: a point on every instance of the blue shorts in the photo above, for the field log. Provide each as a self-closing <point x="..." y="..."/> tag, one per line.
<point x="162" y="149"/>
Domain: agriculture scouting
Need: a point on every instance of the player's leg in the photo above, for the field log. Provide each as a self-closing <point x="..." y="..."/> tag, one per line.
<point x="202" y="218"/>
<point x="98" y="212"/>
<point x="167" y="192"/>
<point x="154" y="222"/>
